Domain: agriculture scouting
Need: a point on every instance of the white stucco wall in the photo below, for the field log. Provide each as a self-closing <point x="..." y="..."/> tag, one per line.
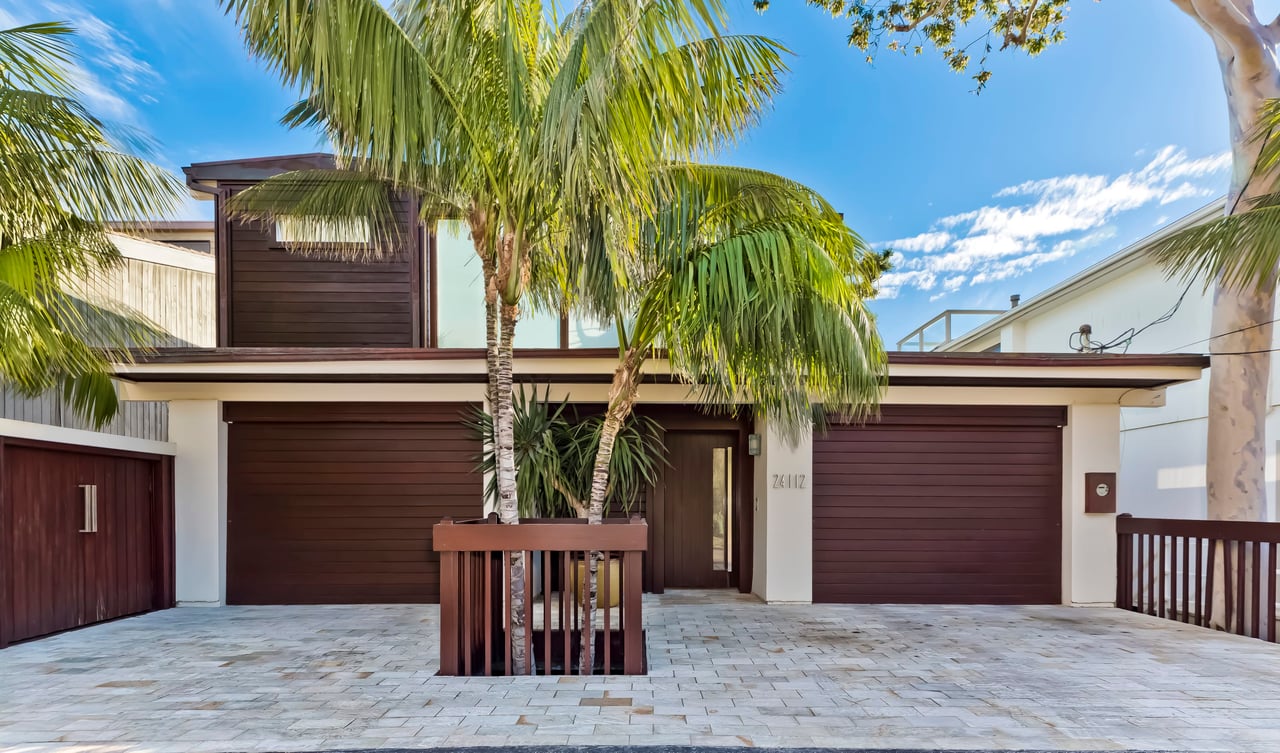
<point x="200" y="501"/>
<point x="783" y="546"/>
<point x="1090" y="444"/>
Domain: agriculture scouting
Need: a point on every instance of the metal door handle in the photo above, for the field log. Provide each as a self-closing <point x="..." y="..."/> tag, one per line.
<point x="90" y="492"/>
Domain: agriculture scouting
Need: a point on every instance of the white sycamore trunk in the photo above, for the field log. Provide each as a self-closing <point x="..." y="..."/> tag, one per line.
<point x="1240" y="369"/>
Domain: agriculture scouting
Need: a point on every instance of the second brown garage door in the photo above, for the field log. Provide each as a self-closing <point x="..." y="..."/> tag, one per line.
<point x="334" y="503"/>
<point x="942" y="505"/>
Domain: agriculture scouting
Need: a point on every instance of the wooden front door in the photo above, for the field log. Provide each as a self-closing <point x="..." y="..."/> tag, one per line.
<point x="698" y="511"/>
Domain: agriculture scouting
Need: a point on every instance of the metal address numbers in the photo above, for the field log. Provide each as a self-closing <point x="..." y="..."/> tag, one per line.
<point x="789" y="481"/>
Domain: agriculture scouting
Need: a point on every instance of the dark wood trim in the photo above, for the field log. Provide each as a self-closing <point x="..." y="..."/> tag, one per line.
<point x="42" y="444"/>
<point x="1206" y="529"/>
<point x="355" y="377"/>
<point x="311" y="355"/>
<point x="616" y="535"/>
<point x="744" y="517"/>
<point x="222" y="262"/>
<point x="1050" y="360"/>
<point x="433" y="274"/>
<point x="307" y="354"/>
<point x="6" y="554"/>
<point x="656" y="513"/>
<point x="1022" y="381"/>
<point x="416" y="262"/>
<point x="164" y="500"/>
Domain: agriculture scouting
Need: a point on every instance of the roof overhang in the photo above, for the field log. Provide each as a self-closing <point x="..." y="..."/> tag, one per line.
<point x="596" y="366"/>
<point x="252" y="170"/>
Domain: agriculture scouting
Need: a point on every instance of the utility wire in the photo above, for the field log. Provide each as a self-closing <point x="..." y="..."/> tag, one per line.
<point x="1224" y="334"/>
<point x="1125" y="339"/>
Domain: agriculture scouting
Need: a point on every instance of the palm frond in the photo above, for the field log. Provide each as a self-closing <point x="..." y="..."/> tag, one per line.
<point x="1240" y="250"/>
<point x="63" y="177"/>
<point x="344" y="212"/>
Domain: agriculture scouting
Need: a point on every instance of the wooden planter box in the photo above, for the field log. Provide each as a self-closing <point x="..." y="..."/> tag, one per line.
<point x="475" y="595"/>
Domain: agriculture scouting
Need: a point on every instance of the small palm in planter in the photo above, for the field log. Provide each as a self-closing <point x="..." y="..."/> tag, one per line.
<point x="555" y="452"/>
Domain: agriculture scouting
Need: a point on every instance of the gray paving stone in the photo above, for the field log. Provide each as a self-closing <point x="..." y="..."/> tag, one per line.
<point x="726" y="670"/>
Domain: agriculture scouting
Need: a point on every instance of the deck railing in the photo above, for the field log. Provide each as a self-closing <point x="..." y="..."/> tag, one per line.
<point x="1176" y="568"/>
<point x="476" y="595"/>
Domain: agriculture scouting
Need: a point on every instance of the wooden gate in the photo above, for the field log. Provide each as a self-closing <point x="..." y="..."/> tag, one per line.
<point x="85" y="536"/>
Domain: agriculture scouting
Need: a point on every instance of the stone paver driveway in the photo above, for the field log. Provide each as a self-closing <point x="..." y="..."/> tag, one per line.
<point x="725" y="670"/>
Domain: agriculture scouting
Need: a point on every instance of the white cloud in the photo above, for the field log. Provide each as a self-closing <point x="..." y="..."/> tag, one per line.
<point x="925" y="242"/>
<point x="109" y="71"/>
<point x="1039" y="222"/>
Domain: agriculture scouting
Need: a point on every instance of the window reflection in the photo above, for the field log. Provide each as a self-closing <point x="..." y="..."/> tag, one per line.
<point x="459" y="287"/>
<point x="722" y="509"/>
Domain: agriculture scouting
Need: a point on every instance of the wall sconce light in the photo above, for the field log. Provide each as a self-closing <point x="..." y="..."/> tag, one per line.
<point x="753" y="444"/>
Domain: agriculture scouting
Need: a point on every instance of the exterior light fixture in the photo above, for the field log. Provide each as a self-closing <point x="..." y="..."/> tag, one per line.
<point x="753" y="444"/>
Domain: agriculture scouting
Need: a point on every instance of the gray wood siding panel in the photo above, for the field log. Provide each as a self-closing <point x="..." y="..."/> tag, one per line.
<point x="180" y="301"/>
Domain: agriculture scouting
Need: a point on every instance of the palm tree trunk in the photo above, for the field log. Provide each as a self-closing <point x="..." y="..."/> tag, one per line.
<point x="491" y="334"/>
<point x="1240" y="369"/>
<point x="622" y="399"/>
<point x="508" y="503"/>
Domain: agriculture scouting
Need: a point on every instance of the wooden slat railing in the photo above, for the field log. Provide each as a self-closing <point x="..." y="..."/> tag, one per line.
<point x="1174" y="568"/>
<point x="475" y="595"/>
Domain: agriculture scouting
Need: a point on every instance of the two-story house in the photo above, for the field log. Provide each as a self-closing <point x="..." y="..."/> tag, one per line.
<point x="322" y="434"/>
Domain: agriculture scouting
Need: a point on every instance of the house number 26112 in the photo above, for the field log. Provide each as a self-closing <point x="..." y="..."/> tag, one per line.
<point x="788" y="481"/>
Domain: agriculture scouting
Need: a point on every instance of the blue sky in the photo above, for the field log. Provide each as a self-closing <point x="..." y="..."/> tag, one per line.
<point x="1060" y="162"/>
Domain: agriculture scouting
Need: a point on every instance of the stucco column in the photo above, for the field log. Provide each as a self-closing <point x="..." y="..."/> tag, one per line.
<point x="783" y="541"/>
<point x="1090" y="444"/>
<point x="200" y="501"/>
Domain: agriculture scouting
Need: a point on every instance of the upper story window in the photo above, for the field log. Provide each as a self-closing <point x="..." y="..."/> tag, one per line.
<point x="344" y="232"/>
<point x="459" y="302"/>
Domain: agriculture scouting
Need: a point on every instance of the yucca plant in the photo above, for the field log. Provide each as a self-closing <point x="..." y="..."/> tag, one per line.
<point x="63" y="178"/>
<point x="555" y="451"/>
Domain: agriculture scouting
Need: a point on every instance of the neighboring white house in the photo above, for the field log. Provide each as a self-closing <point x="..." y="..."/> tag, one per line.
<point x="1162" y="449"/>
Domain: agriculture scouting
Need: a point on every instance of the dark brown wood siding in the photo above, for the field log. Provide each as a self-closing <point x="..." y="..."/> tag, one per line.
<point x="334" y="503"/>
<point x="275" y="298"/>
<point x="55" y="576"/>
<point x="937" y="504"/>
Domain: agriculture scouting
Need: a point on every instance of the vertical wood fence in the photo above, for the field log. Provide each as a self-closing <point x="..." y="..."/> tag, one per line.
<point x="1176" y="568"/>
<point x="475" y="595"/>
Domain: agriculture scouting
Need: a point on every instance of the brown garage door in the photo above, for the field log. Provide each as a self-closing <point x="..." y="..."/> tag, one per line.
<point x="942" y="505"/>
<point x="334" y="503"/>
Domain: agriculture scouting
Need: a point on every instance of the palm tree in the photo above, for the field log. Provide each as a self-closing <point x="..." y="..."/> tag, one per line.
<point x="62" y="179"/>
<point x="754" y="288"/>
<point x="501" y="114"/>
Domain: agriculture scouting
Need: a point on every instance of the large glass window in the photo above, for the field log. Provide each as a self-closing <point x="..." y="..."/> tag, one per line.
<point x="586" y="332"/>
<point x="459" y="287"/>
